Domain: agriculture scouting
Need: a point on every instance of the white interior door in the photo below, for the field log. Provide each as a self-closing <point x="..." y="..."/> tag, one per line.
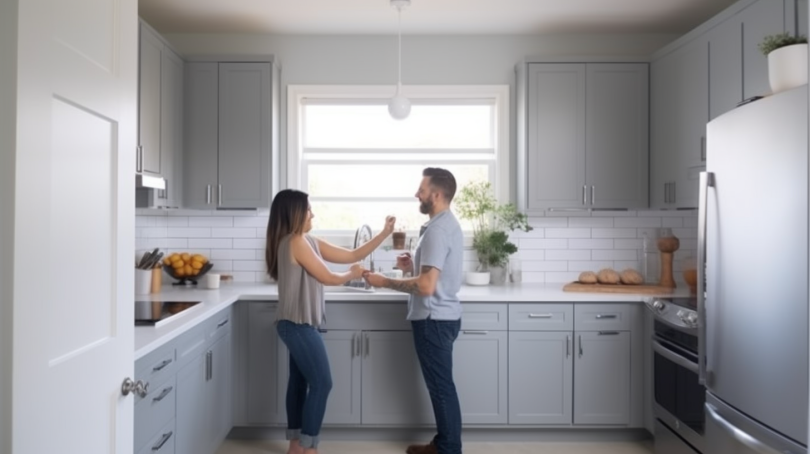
<point x="74" y="226"/>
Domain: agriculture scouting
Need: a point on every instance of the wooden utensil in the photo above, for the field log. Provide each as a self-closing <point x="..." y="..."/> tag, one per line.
<point x="667" y="245"/>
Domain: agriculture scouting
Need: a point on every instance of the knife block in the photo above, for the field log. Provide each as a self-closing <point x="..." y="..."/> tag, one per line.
<point x="667" y="245"/>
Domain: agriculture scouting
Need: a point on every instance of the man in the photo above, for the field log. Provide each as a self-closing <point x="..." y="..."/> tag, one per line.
<point x="433" y="307"/>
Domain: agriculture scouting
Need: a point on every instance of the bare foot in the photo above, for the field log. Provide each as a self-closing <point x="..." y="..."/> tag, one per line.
<point x="295" y="447"/>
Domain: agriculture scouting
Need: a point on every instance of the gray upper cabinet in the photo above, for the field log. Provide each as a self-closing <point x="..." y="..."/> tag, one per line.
<point x="765" y="17"/>
<point x="602" y="378"/>
<point x="725" y="61"/>
<point x="586" y="127"/>
<point x="230" y="139"/>
<point x="617" y="135"/>
<point x="171" y="129"/>
<point x="149" y="105"/>
<point x="540" y="377"/>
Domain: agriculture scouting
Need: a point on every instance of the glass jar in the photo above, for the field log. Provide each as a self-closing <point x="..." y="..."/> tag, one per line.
<point x="515" y="270"/>
<point x="650" y="259"/>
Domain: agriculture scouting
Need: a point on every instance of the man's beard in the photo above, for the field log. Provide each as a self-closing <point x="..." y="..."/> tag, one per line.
<point x="426" y="207"/>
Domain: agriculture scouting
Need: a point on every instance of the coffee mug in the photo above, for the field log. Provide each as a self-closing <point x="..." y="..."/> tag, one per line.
<point x="211" y="281"/>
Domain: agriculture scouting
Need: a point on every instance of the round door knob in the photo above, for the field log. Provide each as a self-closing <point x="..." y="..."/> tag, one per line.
<point x="141" y="388"/>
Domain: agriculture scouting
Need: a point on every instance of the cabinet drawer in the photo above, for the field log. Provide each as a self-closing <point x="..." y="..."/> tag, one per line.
<point x="368" y="316"/>
<point x="157" y="366"/>
<point x="491" y="317"/>
<point x="162" y="442"/>
<point x="220" y="325"/>
<point x="192" y="344"/>
<point x="603" y="317"/>
<point x="154" y="411"/>
<point x="541" y="317"/>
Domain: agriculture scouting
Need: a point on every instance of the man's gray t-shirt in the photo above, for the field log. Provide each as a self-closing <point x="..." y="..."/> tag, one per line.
<point x="441" y="246"/>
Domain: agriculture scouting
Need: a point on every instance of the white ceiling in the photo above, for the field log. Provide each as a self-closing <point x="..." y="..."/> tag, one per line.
<point x="428" y="17"/>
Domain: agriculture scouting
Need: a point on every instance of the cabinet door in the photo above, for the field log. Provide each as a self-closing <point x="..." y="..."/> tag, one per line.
<point x="149" y="100"/>
<point x="171" y="128"/>
<point x="201" y="135"/>
<point x="765" y="17"/>
<point x="244" y="135"/>
<point x="663" y="119"/>
<point x="480" y="371"/>
<point x="617" y="135"/>
<point x="193" y="407"/>
<point x="556" y="136"/>
<point x="265" y="403"/>
<point x="394" y="392"/>
<point x="602" y="378"/>
<point x="540" y="377"/>
<point x="220" y="389"/>
<point x="343" y="350"/>
<point x="725" y="67"/>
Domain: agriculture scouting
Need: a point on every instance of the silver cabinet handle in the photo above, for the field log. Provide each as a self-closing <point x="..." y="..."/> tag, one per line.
<point x="706" y="182"/>
<point x="666" y="192"/>
<point x="353" y="349"/>
<point x="739" y="435"/>
<point x="223" y="323"/>
<point x="605" y="316"/>
<point x="475" y="332"/>
<point x="703" y="148"/>
<point x="580" y="346"/>
<point x="139" y="159"/>
<point x="162" y="441"/>
<point x="368" y="346"/>
<point x="219" y="195"/>
<point x="584" y="194"/>
<point x="567" y="346"/>
<point x="674" y="192"/>
<point x="208" y="195"/>
<point x="608" y="333"/>
<point x="541" y="315"/>
<point x="162" y="365"/>
<point x="163" y="394"/>
<point x="593" y="194"/>
<point x="208" y="368"/>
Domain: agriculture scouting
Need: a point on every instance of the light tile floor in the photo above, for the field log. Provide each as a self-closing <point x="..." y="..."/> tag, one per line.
<point x="396" y="447"/>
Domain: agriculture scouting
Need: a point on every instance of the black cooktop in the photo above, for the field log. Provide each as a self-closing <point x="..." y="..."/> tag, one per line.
<point x="152" y="312"/>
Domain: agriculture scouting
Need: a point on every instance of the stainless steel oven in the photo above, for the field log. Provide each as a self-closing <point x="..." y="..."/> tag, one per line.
<point x="679" y="397"/>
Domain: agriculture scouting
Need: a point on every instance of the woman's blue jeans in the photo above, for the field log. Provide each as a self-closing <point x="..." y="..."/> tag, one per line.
<point x="309" y="384"/>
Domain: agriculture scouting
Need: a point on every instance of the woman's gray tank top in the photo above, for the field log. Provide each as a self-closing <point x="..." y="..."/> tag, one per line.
<point x="300" y="295"/>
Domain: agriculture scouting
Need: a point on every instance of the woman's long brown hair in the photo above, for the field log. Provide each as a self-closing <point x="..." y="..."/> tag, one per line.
<point x="288" y="214"/>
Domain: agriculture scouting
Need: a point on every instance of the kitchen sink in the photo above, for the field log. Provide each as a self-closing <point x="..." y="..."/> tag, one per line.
<point x="346" y="289"/>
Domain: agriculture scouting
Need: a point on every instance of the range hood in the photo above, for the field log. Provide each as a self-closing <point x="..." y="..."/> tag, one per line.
<point x="149" y="182"/>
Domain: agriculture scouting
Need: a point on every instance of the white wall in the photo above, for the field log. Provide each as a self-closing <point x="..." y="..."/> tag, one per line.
<point x="426" y="60"/>
<point x="8" y="107"/>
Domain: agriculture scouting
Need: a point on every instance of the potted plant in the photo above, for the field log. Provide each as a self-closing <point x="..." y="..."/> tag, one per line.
<point x="491" y="221"/>
<point x="787" y="60"/>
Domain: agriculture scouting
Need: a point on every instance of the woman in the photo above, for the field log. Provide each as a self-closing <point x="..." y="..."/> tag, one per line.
<point x="295" y="260"/>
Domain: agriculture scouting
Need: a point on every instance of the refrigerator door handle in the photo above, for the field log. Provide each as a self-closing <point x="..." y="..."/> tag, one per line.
<point x="706" y="181"/>
<point x="738" y="434"/>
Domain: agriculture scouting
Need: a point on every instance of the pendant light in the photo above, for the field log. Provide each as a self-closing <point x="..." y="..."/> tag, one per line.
<point x="399" y="106"/>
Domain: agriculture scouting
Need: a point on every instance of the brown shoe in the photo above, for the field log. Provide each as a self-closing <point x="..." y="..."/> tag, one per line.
<point x="422" y="449"/>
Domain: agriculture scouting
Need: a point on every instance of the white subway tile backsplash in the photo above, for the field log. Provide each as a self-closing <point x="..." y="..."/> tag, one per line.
<point x="210" y="222"/>
<point x="561" y="245"/>
<point x="233" y="233"/>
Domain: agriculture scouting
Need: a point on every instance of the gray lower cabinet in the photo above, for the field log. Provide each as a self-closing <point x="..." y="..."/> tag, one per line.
<point x="193" y="406"/>
<point x="393" y="391"/>
<point x="540" y="377"/>
<point x="230" y="134"/>
<point x="264" y="402"/>
<point x="344" y="349"/>
<point x="480" y="375"/>
<point x="602" y="378"/>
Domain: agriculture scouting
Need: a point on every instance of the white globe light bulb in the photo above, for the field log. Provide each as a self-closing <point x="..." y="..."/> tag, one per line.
<point x="399" y="107"/>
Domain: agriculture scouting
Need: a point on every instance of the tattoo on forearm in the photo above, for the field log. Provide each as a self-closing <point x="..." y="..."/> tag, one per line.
<point x="403" y="286"/>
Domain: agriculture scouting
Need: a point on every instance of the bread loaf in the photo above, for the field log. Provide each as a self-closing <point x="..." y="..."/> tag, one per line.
<point x="608" y="276"/>
<point x="631" y="277"/>
<point x="587" y="277"/>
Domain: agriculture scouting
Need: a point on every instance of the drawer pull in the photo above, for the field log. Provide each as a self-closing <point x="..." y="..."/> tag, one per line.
<point x="475" y="332"/>
<point x="162" y="365"/>
<point x="162" y="441"/>
<point x="605" y="316"/>
<point x="608" y="333"/>
<point x="222" y="323"/>
<point x="163" y="394"/>
<point x="541" y="315"/>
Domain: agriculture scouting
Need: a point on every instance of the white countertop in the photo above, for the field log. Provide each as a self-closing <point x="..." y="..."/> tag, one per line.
<point x="148" y="338"/>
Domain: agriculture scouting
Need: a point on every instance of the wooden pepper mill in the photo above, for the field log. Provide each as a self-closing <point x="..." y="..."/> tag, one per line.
<point x="667" y="245"/>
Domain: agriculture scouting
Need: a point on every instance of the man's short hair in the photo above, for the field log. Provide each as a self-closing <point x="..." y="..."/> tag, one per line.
<point x="443" y="180"/>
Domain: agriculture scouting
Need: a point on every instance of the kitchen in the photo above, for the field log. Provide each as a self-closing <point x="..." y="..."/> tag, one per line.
<point x="435" y="60"/>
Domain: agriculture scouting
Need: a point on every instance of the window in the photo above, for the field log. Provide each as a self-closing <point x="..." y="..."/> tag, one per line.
<point x="359" y="165"/>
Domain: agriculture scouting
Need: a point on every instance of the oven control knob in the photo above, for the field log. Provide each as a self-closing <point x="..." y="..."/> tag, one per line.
<point x="687" y="317"/>
<point x="658" y="305"/>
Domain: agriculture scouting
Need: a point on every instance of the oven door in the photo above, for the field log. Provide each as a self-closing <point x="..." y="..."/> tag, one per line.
<point x="679" y="397"/>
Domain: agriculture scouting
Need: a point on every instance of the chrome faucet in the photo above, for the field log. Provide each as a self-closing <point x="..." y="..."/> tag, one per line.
<point x="362" y="236"/>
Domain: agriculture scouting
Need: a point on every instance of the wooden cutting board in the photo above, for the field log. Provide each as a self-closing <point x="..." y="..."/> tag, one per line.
<point x="618" y="288"/>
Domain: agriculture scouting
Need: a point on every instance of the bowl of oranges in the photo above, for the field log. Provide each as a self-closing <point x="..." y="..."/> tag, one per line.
<point x="186" y="267"/>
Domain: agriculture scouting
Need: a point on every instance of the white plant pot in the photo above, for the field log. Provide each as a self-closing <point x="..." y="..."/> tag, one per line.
<point x="477" y="278"/>
<point x="787" y="67"/>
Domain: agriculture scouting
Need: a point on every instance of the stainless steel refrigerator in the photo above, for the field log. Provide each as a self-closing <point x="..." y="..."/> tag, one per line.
<point x="753" y="230"/>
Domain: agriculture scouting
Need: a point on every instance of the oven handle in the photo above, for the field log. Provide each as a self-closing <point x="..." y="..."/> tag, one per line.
<point x="674" y="357"/>
<point x="739" y="435"/>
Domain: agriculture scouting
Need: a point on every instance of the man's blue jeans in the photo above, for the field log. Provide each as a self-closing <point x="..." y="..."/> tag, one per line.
<point x="309" y="384"/>
<point x="433" y="340"/>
